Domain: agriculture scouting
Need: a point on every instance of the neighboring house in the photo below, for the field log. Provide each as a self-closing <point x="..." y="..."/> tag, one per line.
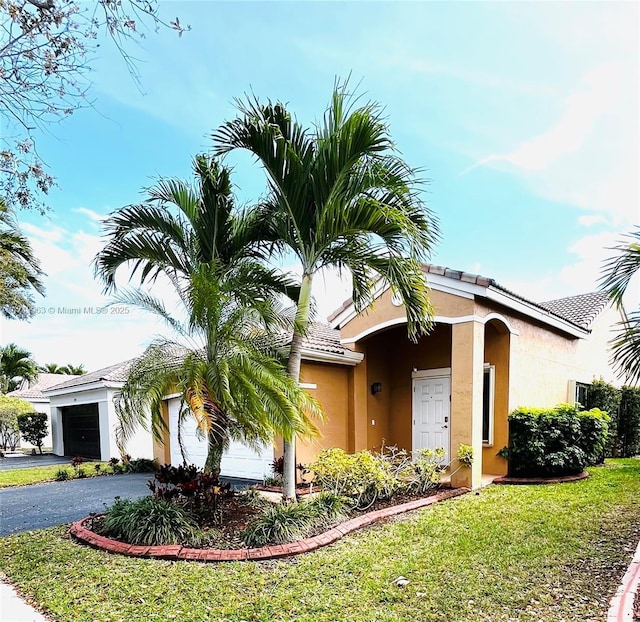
<point x="32" y="392"/>
<point x="489" y="352"/>
<point x="83" y="416"/>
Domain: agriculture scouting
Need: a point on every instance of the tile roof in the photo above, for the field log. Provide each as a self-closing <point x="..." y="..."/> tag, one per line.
<point x="321" y="338"/>
<point x="581" y="310"/>
<point x="113" y="373"/>
<point x="43" y="381"/>
<point x="577" y="310"/>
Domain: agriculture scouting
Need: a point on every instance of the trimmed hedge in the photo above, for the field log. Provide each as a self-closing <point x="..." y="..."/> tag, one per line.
<point x="555" y="442"/>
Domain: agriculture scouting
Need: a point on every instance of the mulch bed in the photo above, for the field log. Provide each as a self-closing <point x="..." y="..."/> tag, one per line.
<point x="237" y="514"/>
<point x="522" y="481"/>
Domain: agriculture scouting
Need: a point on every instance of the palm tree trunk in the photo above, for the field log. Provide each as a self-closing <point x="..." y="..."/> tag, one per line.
<point x="215" y="449"/>
<point x="293" y="369"/>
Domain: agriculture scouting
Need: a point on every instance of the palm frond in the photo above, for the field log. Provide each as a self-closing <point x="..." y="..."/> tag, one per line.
<point x="620" y="269"/>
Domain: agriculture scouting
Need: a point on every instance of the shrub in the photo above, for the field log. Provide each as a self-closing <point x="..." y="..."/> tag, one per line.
<point x="606" y="397"/>
<point x="141" y="465"/>
<point x="33" y="428"/>
<point x="558" y="441"/>
<point x="191" y="486"/>
<point x="10" y="409"/>
<point x="629" y="422"/>
<point x="62" y="475"/>
<point x="329" y="507"/>
<point x="281" y="523"/>
<point x="362" y="476"/>
<point x="81" y="473"/>
<point x="150" y="522"/>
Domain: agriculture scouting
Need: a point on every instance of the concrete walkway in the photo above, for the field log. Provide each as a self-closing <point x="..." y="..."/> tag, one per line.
<point x="14" y="609"/>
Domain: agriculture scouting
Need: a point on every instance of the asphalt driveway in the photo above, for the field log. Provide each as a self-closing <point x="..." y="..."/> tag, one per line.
<point x="24" y="508"/>
<point x="25" y="461"/>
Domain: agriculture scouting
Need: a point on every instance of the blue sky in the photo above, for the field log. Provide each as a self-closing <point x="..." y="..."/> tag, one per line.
<point x="523" y="116"/>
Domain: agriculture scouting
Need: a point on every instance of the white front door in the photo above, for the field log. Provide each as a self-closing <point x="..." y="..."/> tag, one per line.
<point x="432" y="413"/>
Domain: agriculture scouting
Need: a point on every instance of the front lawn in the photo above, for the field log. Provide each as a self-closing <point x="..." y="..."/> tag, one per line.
<point x="37" y="475"/>
<point x="552" y="553"/>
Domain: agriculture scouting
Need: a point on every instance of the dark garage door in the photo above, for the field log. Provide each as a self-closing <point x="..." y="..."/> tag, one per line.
<point x="81" y="431"/>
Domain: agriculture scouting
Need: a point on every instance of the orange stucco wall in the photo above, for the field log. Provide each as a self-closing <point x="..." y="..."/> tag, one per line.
<point x="497" y="343"/>
<point x="162" y="448"/>
<point x="333" y="393"/>
<point x="384" y="310"/>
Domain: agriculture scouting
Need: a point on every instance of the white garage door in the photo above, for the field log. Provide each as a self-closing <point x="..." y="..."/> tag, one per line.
<point x="238" y="461"/>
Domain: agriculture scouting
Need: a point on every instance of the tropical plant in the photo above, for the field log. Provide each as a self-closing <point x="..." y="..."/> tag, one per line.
<point x="10" y="409"/>
<point x="618" y="271"/>
<point x="151" y="522"/>
<point x="54" y="368"/>
<point x="339" y="196"/>
<point x="33" y="428"/>
<point x="222" y="363"/>
<point x="20" y="272"/>
<point x="16" y="366"/>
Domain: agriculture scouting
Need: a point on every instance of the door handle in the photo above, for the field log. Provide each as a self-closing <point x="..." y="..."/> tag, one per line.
<point x="445" y="426"/>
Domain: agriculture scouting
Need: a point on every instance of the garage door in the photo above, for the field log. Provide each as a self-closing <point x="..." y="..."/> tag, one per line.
<point x="238" y="461"/>
<point x="81" y="431"/>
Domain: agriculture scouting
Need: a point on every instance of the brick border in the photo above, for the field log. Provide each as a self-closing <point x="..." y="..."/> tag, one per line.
<point x="541" y="480"/>
<point x="81" y="533"/>
<point x="621" y="606"/>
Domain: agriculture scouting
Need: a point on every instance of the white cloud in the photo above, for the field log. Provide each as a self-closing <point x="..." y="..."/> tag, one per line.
<point x="93" y="216"/>
<point x="589" y="220"/>
<point x="590" y="156"/>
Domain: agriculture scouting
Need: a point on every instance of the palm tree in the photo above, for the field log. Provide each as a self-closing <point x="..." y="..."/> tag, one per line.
<point x="617" y="274"/>
<point x="54" y="368"/>
<point x="339" y="196"/>
<point x="73" y="370"/>
<point x="229" y="379"/>
<point x="20" y="272"/>
<point x="197" y="239"/>
<point x="16" y="366"/>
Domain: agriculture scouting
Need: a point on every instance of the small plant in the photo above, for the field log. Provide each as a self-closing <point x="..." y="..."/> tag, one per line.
<point x="141" y="465"/>
<point x="116" y="467"/>
<point x="279" y="524"/>
<point x="363" y="476"/>
<point x="329" y="506"/>
<point x="252" y="497"/>
<point x="277" y="466"/>
<point x="272" y="480"/>
<point x="190" y="486"/>
<point x="151" y="522"/>
<point x="465" y="455"/>
<point x="97" y="467"/>
<point x="81" y="473"/>
<point x="76" y="461"/>
<point x="62" y="475"/>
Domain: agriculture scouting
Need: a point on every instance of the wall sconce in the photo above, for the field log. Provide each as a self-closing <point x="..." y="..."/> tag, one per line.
<point x="376" y="387"/>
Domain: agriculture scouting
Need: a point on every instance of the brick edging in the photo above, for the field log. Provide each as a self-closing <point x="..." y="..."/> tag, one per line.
<point x="541" y="480"/>
<point x="81" y="533"/>
<point x="621" y="606"/>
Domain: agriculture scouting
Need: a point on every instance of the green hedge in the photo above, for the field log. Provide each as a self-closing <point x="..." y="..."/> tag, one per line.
<point x="557" y="441"/>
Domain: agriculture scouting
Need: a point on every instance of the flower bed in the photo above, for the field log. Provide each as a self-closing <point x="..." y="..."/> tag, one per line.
<point x="81" y="532"/>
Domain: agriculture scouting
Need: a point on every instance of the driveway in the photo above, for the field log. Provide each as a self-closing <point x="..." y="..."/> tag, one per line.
<point x="24" y="461"/>
<point x="24" y="508"/>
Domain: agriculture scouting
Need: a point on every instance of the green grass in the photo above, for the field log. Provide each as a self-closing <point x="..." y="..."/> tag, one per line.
<point x="37" y="475"/>
<point x="529" y="553"/>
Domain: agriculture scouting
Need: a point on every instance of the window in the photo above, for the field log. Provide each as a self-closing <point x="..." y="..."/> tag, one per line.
<point x="488" y="396"/>
<point x="582" y="393"/>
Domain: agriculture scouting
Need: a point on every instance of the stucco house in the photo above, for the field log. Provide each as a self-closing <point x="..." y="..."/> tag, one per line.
<point x="490" y="351"/>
